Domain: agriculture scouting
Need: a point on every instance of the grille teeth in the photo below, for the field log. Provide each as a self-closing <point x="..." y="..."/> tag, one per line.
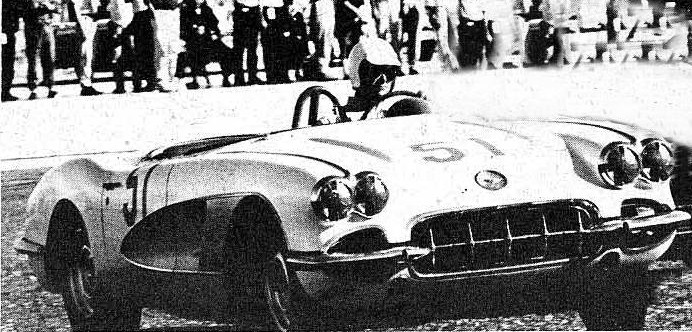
<point x="507" y="236"/>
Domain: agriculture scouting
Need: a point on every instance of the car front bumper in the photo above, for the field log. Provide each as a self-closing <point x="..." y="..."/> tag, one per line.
<point x="349" y="277"/>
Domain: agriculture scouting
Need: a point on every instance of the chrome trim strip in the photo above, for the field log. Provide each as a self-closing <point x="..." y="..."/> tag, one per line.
<point x="516" y="269"/>
<point x="354" y="146"/>
<point x="319" y="259"/>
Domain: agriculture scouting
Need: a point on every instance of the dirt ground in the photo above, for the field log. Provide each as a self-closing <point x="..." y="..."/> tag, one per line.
<point x="25" y="307"/>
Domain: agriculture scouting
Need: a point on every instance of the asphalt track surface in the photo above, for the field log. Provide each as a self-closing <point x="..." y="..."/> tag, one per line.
<point x="111" y="126"/>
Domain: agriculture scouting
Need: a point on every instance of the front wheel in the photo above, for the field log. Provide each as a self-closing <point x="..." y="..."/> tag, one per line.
<point x="88" y="308"/>
<point x="277" y="294"/>
<point x="617" y="303"/>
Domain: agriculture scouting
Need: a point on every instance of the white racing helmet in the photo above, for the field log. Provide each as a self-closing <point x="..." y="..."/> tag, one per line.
<point x="372" y="62"/>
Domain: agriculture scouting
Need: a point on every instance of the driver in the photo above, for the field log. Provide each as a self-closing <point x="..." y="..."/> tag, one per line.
<point x="372" y="67"/>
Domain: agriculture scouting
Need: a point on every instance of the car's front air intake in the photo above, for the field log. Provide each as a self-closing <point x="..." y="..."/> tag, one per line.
<point x="505" y="236"/>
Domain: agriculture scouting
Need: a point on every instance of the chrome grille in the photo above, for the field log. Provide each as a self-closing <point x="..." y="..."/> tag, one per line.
<point x="505" y="236"/>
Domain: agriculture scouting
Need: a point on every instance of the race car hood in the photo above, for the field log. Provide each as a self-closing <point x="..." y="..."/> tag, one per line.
<point x="432" y="162"/>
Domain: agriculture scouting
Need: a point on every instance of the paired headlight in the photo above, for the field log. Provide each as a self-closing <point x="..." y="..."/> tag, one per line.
<point x="622" y="165"/>
<point x="334" y="197"/>
<point x="657" y="160"/>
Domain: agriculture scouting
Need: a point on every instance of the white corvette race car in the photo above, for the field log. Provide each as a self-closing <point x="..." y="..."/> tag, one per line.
<point x="357" y="212"/>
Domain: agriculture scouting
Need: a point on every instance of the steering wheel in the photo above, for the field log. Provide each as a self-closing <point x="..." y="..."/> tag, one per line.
<point x="312" y="95"/>
<point x="390" y="95"/>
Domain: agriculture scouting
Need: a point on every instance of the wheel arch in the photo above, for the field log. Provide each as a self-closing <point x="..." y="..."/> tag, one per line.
<point x="74" y="186"/>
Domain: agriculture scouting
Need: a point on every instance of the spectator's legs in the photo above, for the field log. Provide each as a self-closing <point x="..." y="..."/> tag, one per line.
<point x="145" y="48"/>
<point x="168" y="43"/>
<point x="8" y="53"/>
<point x="224" y="54"/>
<point x="83" y="68"/>
<point x="410" y="28"/>
<point x="252" y="60"/>
<point x="438" y="14"/>
<point x="47" y="55"/>
<point x="31" y="35"/>
<point x="322" y="34"/>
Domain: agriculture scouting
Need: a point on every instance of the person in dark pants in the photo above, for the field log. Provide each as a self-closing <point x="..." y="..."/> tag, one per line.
<point x="276" y="44"/>
<point x="247" y="24"/>
<point x="298" y="40"/>
<point x="410" y="20"/>
<point x="473" y="34"/>
<point x="11" y="12"/>
<point x="40" y="41"/>
<point x="142" y="29"/>
<point x="199" y="28"/>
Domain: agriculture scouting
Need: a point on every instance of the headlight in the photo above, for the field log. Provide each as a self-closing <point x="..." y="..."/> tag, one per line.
<point x="621" y="165"/>
<point x="657" y="160"/>
<point x="332" y="198"/>
<point x="371" y="194"/>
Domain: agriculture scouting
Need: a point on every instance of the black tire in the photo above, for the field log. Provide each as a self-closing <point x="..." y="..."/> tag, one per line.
<point x="88" y="308"/>
<point x="277" y="295"/>
<point x="270" y="298"/>
<point x="616" y="302"/>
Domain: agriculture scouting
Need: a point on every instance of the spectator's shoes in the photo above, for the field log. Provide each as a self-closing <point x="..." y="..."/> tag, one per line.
<point x="192" y="85"/>
<point x="51" y="94"/>
<point x="89" y="91"/>
<point x="119" y="91"/>
<point x="33" y="96"/>
<point x="226" y="83"/>
<point x="255" y="81"/>
<point x="8" y="97"/>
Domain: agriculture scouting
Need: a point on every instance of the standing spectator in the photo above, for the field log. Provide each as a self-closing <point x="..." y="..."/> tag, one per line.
<point x="438" y="15"/>
<point x="247" y="24"/>
<point x="558" y="13"/>
<point x="500" y="22"/>
<point x="143" y="32"/>
<point x="121" y="16"/>
<point x="277" y="44"/>
<point x="321" y="26"/>
<point x="473" y="33"/>
<point x="168" y="42"/>
<point x="410" y="21"/>
<point x="11" y="12"/>
<point x="84" y="12"/>
<point x="299" y="37"/>
<point x="40" y="41"/>
<point x="199" y="28"/>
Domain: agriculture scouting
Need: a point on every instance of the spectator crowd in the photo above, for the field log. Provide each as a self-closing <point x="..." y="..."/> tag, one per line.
<point x="159" y="41"/>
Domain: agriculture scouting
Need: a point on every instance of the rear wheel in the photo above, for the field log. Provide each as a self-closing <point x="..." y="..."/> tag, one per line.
<point x="88" y="308"/>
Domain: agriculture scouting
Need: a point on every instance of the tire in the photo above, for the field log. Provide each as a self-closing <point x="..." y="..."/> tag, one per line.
<point x="277" y="295"/>
<point x="617" y="302"/>
<point x="270" y="298"/>
<point x="88" y="308"/>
